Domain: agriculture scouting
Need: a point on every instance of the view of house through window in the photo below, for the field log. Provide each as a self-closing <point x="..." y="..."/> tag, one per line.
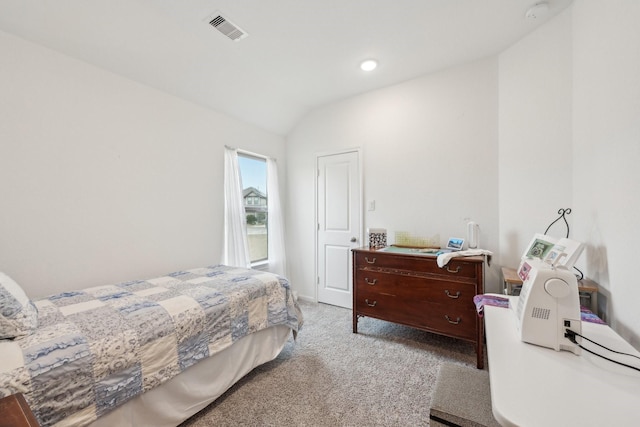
<point x="253" y="171"/>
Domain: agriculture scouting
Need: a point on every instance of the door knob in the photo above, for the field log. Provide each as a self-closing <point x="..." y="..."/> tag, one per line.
<point x="353" y="239"/>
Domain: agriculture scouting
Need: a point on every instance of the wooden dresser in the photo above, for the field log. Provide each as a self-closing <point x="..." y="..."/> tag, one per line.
<point x="15" y="412"/>
<point x="412" y="290"/>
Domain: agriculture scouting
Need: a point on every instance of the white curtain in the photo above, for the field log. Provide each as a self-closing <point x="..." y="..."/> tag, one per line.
<point x="277" y="255"/>
<point x="236" y="247"/>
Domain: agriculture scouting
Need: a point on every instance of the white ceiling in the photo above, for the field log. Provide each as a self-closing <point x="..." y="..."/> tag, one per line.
<point x="300" y="54"/>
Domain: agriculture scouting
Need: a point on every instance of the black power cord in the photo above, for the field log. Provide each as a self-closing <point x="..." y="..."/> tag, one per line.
<point x="571" y="335"/>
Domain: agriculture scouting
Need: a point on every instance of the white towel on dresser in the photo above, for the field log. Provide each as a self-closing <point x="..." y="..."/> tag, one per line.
<point x="443" y="259"/>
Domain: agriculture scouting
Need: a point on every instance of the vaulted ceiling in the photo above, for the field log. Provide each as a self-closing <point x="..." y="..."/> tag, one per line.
<point x="298" y="55"/>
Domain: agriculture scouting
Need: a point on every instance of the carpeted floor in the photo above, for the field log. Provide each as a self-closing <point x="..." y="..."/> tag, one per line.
<point x="382" y="376"/>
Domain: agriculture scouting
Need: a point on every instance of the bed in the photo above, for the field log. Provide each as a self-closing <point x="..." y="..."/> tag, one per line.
<point x="146" y="352"/>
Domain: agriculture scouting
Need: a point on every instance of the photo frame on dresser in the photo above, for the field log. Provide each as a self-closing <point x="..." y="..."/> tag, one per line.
<point x="455" y="243"/>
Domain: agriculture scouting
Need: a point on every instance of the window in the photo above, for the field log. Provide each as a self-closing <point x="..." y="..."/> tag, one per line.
<point x="253" y="172"/>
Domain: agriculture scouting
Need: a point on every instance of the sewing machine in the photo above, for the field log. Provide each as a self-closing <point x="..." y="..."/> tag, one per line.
<point x="548" y="305"/>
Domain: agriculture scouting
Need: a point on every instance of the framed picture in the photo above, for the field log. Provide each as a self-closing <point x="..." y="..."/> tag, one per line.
<point x="455" y="243"/>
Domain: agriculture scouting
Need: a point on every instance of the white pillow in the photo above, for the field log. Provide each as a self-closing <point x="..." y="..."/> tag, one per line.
<point x="18" y="315"/>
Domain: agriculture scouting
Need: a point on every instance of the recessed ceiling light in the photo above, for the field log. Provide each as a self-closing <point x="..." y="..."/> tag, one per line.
<point x="369" y="65"/>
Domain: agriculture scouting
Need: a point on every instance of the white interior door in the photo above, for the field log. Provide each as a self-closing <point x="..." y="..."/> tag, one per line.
<point x="339" y="205"/>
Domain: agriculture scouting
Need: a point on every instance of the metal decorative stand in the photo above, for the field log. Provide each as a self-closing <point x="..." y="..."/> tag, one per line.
<point x="563" y="213"/>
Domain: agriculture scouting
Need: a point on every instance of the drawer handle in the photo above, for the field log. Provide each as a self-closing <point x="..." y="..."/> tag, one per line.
<point x="370" y="304"/>
<point x="457" y="270"/>
<point x="452" y="321"/>
<point x="370" y="282"/>
<point x="370" y="262"/>
<point x="456" y="296"/>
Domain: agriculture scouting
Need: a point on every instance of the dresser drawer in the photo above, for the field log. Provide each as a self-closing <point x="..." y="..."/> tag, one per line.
<point x="409" y="287"/>
<point x="456" y="320"/>
<point x="414" y="264"/>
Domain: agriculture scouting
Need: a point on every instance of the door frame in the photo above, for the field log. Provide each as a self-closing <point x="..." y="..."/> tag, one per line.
<point x="315" y="209"/>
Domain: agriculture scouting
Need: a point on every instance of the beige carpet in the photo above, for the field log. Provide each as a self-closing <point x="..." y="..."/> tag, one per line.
<point x="382" y="376"/>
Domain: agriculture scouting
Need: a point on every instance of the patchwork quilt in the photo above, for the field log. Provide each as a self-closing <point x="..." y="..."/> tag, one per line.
<point x="97" y="348"/>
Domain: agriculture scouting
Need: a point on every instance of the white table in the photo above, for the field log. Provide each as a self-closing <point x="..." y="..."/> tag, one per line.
<point x="537" y="386"/>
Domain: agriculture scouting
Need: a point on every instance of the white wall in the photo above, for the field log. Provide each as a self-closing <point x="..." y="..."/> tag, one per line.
<point x="606" y="128"/>
<point x="429" y="157"/>
<point x="103" y="179"/>
<point x="535" y="155"/>
<point x="570" y="97"/>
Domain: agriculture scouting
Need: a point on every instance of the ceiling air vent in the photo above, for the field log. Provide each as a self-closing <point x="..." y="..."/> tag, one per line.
<point x="226" y="27"/>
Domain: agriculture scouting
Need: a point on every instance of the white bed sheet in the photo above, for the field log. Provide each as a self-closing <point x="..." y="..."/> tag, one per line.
<point x="195" y="388"/>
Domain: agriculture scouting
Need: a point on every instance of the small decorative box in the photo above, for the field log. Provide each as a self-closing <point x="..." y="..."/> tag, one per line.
<point x="377" y="237"/>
